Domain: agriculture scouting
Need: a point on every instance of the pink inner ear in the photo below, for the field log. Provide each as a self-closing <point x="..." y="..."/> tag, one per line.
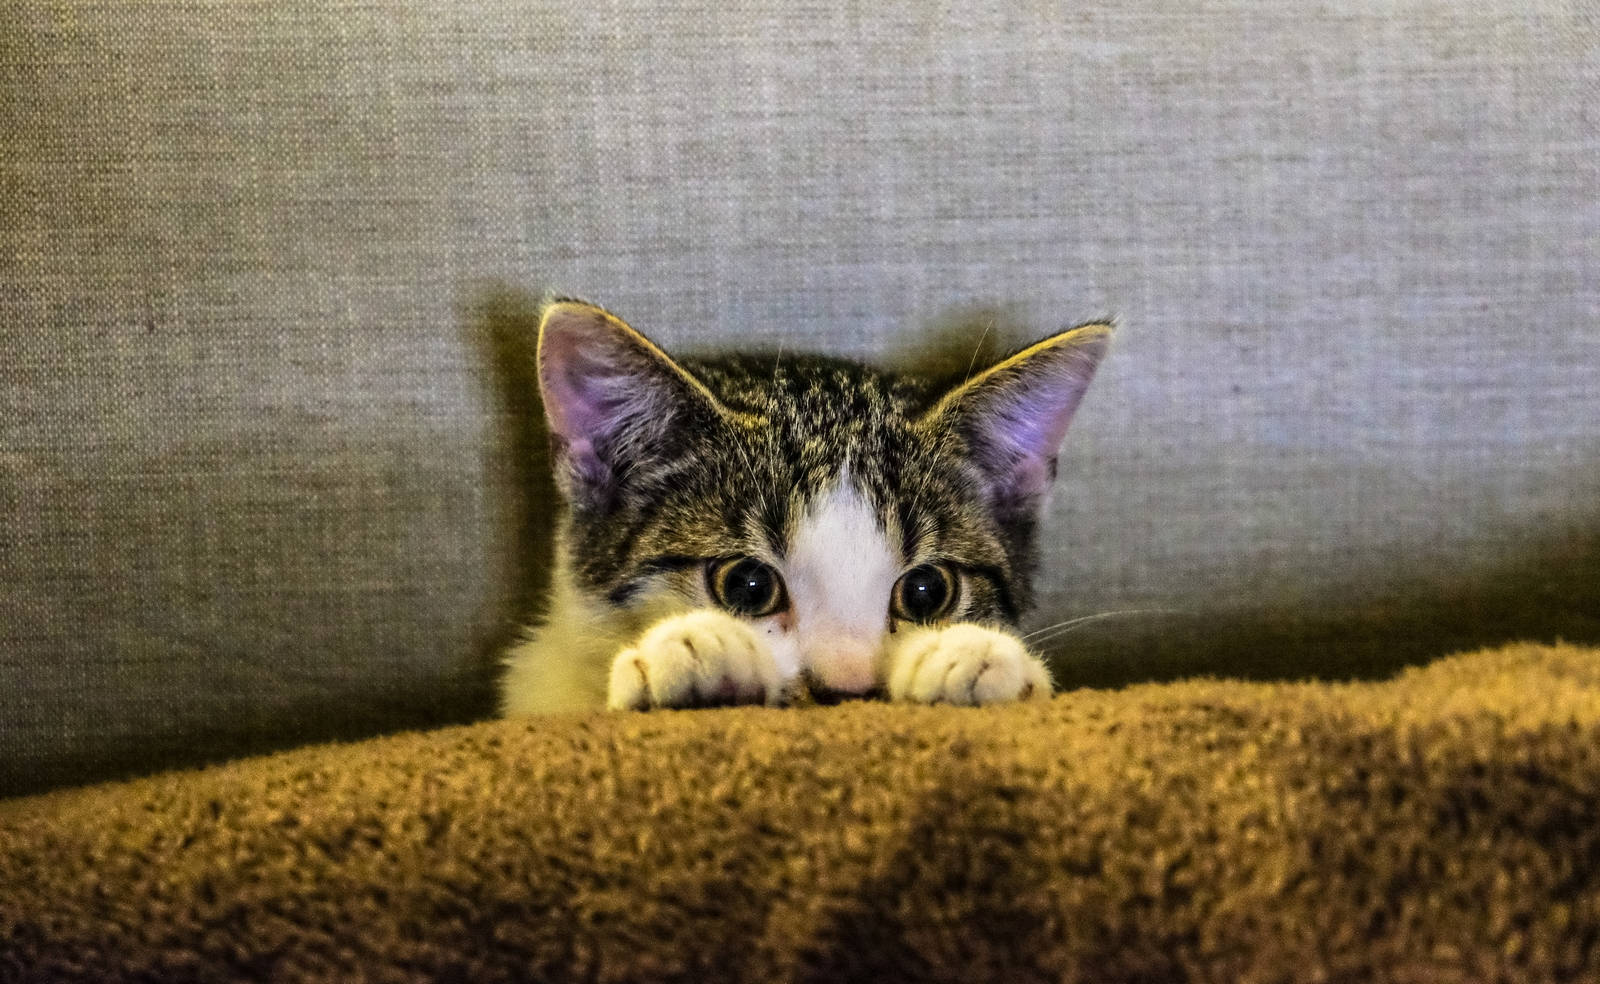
<point x="1030" y="429"/>
<point x="583" y="375"/>
<point x="1021" y="444"/>
<point x="592" y="392"/>
<point x="609" y="395"/>
<point x="1020" y="416"/>
<point x="580" y="395"/>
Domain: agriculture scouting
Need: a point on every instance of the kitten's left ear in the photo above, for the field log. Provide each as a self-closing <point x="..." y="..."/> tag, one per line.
<point x="613" y="400"/>
<point x="1014" y="414"/>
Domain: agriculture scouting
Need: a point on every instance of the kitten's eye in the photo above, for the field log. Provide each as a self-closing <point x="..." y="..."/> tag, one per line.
<point x="746" y="586"/>
<point x="924" y="593"/>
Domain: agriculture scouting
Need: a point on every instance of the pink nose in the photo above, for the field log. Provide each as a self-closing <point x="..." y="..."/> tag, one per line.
<point x="846" y="667"/>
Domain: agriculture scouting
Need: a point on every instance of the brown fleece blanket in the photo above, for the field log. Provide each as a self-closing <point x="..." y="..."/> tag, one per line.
<point x="1441" y="826"/>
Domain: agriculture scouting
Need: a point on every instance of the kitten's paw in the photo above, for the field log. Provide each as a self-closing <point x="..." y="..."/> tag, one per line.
<point x="703" y="657"/>
<point x="966" y="663"/>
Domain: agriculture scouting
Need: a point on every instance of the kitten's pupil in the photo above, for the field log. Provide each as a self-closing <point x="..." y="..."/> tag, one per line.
<point x="924" y="593"/>
<point x="746" y="586"/>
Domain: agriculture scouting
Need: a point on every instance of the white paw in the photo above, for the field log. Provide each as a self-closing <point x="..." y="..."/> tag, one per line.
<point x="703" y="657"/>
<point x="966" y="663"/>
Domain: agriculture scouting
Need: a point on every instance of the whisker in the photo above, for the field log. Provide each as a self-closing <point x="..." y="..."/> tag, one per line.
<point x="738" y="445"/>
<point x="1059" y="629"/>
<point x="973" y="362"/>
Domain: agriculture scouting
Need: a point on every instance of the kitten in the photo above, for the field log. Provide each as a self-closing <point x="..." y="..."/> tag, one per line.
<point x="737" y="530"/>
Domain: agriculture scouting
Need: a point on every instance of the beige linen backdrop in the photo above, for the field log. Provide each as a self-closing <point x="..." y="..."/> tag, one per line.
<point x="264" y="471"/>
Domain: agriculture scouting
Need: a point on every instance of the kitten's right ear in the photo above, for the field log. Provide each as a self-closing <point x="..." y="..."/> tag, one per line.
<point x="1015" y="414"/>
<point x="611" y="397"/>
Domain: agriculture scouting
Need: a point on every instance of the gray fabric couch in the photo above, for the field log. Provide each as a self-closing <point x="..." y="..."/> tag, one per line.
<point x="267" y="467"/>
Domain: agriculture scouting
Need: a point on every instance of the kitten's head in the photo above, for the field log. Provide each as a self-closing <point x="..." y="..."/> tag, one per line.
<point x="829" y="503"/>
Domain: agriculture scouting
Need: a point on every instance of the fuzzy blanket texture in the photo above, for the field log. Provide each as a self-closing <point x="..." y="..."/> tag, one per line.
<point x="1440" y="826"/>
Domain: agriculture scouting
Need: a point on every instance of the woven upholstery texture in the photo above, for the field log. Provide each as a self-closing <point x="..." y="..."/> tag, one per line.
<point x="265" y="471"/>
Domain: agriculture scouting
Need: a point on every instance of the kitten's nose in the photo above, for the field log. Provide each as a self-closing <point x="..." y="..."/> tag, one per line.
<point x="845" y="666"/>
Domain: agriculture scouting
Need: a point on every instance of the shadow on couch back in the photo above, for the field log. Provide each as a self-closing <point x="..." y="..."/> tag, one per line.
<point x="1553" y="592"/>
<point x="1551" y="595"/>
